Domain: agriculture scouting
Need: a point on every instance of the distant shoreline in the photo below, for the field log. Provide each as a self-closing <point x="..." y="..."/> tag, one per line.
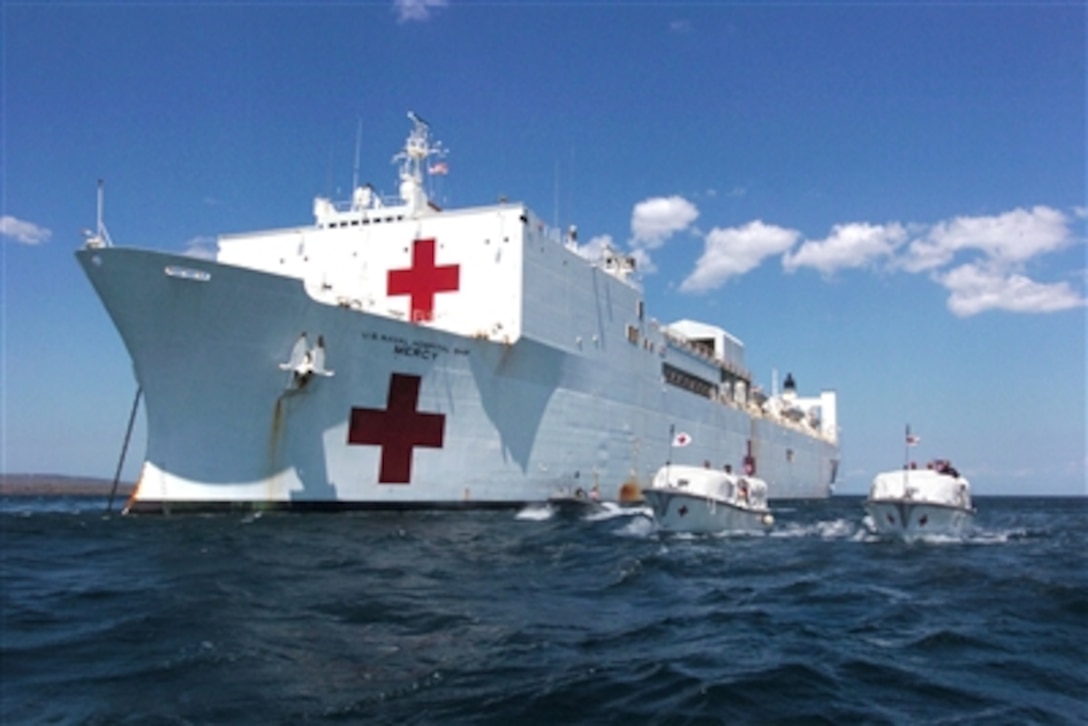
<point x="56" y="485"/>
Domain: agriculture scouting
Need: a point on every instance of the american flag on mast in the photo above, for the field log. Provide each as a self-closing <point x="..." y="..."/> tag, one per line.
<point x="912" y="440"/>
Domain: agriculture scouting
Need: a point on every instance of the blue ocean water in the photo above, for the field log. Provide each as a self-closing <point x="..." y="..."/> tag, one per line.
<point x="539" y="617"/>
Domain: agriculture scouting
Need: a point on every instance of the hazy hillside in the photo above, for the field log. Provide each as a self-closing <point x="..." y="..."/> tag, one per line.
<point x="56" y="484"/>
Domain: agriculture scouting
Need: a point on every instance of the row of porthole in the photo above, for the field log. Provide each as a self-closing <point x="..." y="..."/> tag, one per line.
<point x="357" y="222"/>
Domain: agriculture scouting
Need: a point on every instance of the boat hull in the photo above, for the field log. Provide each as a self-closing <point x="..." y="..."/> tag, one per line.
<point x="676" y="511"/>
<point x="479" y="423"/>
<point x="909" y="519"/>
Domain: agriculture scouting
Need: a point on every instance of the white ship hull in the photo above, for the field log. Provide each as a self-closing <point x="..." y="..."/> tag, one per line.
<point x="521" y="421"/>
<point x="469" y="359"/>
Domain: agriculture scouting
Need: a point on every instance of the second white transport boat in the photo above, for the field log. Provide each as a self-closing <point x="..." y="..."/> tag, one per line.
<point x="703" y="501"/>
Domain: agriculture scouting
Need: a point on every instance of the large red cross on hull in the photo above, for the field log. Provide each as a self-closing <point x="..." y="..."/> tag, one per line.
<point x="422" y="280"/>
<point x="398" y="429"/>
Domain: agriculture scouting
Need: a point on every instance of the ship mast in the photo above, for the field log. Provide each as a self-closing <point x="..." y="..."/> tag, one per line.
<point x="417" y="149"/>
<point x="100" y="237"/>
<point x="358" y="145"/>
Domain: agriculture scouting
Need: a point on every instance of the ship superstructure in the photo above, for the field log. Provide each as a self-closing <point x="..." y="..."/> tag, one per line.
<point x="395" y="354"/>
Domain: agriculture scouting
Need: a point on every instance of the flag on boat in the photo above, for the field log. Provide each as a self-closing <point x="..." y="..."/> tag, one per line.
<point x="439" y="168"/>
<point x="681" y="439"/>
<point x="912" y="440"/>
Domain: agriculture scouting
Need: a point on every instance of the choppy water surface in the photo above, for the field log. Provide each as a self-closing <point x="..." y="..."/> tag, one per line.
<point x="539" y="617"/>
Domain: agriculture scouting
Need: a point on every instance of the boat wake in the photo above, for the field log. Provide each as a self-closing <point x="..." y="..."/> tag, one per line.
<point x="586" y="512"/>
<point x="611" y="510"/>
<point x="638" y="523"/>
<point x="979" y="536"/>
<point x="640" y="527"/>
<point x="835" y="529"/>
<point x="974" y="535"/>
<point x="537" y="513"/>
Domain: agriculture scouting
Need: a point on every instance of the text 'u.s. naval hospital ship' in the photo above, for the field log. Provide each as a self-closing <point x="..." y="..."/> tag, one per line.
<point x="396" y="355"/>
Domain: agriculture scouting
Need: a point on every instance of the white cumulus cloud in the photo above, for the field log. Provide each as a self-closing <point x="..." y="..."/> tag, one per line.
<point x="26" y="233"/>
<point x="981" y="261"/>
<point x="416" y="10"/>
<point x="732" y="252"/>
<point x="1009" y="238"/>
<point x="849" y="245"/>
<point x="656" y="219"/>
<point x="999" y="248"/>
<point x="978" y="287"/>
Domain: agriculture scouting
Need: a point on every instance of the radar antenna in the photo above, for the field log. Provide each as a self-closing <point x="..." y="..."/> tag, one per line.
<point x="418" y="147"/>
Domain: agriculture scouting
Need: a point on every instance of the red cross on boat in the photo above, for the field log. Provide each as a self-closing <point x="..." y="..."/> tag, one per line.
<point x="423" y="279"/>
<point x="398" y="429"/>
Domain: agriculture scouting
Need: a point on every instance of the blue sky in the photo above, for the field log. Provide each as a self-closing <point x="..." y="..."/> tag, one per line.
<point x="887" y="199"/>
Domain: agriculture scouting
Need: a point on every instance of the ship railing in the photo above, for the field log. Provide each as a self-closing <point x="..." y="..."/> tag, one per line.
<point x="749" y="406"/>
<point x="380" y="202"/>
<point x="803" y="425"/>
<point x="700" y="351"/>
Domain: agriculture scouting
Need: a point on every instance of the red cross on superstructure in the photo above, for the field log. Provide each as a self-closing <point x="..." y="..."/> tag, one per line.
<point x="422" y="280"/>
<point x="398" y="429"/>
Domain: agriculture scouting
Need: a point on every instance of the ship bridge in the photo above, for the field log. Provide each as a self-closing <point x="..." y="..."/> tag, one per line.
<point x="496" y="272"/>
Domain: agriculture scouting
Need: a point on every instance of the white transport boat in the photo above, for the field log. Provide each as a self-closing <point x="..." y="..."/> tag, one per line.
<point x="394" y="354"/>
<point x="935" y="501"/>
<point x="703" y="500"/>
